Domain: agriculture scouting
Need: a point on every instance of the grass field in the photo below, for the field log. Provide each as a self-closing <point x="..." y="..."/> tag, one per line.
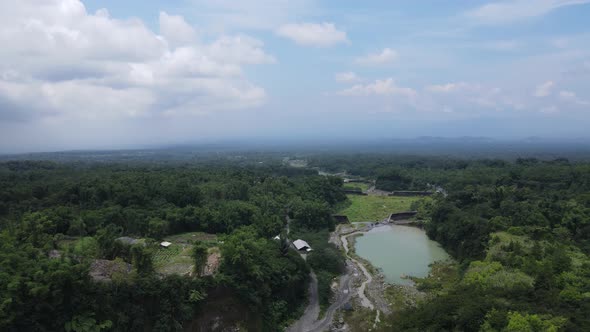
<point x="372" y="208"/>
<point x="208" y="239"/>
<point x="361" y="185"/>
<point x="175" y="259"/>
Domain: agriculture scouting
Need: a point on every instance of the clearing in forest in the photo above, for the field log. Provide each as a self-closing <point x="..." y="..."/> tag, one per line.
<point x="375" y="208"/>
<point x="363" y="186"/>
<point x="177" y="259"/>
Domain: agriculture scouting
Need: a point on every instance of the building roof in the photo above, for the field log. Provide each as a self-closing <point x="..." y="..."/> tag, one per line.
<point x="165" y="244"/>
<point x="300" y="244"/>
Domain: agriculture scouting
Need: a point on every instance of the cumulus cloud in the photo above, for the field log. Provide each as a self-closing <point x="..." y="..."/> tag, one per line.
<point x="544" y="90"/>
<point x="470" y="97"/>
<point x="509" y="11"/>
<point x="68" y="62"/>
<point x="385" y="87"/>
<point x="175" y="29"/>
<point x="313" y="34"/>
<point x="384" y="57"/>
<point x="346" y="77"/>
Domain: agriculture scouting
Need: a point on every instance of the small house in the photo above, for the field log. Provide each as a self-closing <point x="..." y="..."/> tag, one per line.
<point x="302" y="245"/>
<point x="165" y="244"/>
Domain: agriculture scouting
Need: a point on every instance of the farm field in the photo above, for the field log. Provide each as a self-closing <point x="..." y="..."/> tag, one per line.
<point x="175" y="259"/>
<point x="373" y="208"/>
<point x="190" y="237"/>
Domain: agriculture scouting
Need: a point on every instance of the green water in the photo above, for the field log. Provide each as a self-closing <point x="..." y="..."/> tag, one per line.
<point x="399" y="250"/>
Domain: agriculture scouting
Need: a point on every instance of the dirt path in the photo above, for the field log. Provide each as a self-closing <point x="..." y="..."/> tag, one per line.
<point x="365" y="302"/>
<point x="344" y="295"/>
<point x="312" y="311"/>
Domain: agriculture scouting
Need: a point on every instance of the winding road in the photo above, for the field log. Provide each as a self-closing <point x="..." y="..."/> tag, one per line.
<point x="365" y="302"/>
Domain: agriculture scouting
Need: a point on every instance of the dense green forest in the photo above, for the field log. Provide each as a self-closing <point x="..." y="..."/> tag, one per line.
<point x="79" y="210"/>
<point x="518" y="230"/>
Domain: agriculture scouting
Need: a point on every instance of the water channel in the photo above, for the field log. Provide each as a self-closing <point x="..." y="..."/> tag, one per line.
<point x="398" y="251"/>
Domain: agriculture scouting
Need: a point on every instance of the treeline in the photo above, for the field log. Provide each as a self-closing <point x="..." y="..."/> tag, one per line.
<point x="155" y="201"/>
<point x="405" y="172"/>
<point x="44" y="206"/>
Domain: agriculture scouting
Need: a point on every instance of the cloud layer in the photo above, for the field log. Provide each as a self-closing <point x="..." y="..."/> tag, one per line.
<point x="510" y="11"/>
<point x="313" y="34"/>
<point x="70" y="63"/>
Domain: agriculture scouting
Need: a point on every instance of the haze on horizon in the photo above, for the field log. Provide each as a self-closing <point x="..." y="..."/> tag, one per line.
<point x="109" y="74"/>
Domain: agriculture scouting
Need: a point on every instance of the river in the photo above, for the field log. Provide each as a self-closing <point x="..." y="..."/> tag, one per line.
<point x="399" y="250"/>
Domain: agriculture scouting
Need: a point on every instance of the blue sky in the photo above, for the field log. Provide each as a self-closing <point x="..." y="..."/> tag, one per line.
<point x="108" y="74"/>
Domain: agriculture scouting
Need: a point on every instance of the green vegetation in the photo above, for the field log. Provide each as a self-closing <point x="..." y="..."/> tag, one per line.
<point x="62" y="267"/>
<point x="190" y="237"/>
<point x="175" y="259"/>
<point x="325" y="259"/>
<point x="361" y="186"/>
<point x="519" y="232"/>
<point x="373" y="208"/>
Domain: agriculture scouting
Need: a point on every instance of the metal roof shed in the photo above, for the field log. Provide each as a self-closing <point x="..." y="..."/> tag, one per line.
<point x="301" y="245"/>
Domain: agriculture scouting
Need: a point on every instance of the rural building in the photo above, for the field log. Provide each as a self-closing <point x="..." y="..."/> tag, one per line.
<point x="402" y="215"/>
<point x="165" y="244"/>
<point x="354" y="192"/>
<point x="411" y="193"/>
<point x="341" y="219"/>
<point x="301" y="245"/>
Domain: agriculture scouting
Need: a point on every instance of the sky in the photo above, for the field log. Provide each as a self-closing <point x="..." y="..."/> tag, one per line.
<point x="100" y="74"/>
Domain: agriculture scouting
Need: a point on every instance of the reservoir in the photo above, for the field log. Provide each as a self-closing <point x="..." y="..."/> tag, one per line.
<point x="399" y="250"/>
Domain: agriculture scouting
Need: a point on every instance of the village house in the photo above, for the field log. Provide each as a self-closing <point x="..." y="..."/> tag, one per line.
<point x="302" y="245"/>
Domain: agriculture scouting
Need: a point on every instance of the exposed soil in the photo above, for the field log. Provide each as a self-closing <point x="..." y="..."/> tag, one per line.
<point x="213" y="261"/>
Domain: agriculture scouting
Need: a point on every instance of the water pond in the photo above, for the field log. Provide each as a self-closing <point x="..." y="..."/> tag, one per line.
<point x="398" y="251"/>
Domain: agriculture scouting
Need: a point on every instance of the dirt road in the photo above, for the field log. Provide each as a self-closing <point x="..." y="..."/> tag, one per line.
<point x="309" y="322"/>
<point x="344" y="295"/>
<point x="365" y="302"/>
<point x="312" y="311"/>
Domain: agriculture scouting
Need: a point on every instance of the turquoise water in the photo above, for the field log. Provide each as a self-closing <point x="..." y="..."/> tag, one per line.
<point x="399" y="250"/>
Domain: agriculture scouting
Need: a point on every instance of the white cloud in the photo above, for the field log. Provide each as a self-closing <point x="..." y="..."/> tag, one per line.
<point x="313" y="34"/>
<point x="571" y="97"/>
<point x="69" y="63"/>
<point x="346" y="77"/>
<point x="384" y="57"/>
<point x="470" y="98"/>
<point x="176" y="30"/>
<point x="239" y="49"/>
<point x="544" y="90"/>
<point x="449" y="87"/>
<point x="385" y="87"/>
<point x="509" y="11"/>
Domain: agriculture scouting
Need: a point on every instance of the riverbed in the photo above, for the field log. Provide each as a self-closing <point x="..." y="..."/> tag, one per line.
<point x="399" y="250"/>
